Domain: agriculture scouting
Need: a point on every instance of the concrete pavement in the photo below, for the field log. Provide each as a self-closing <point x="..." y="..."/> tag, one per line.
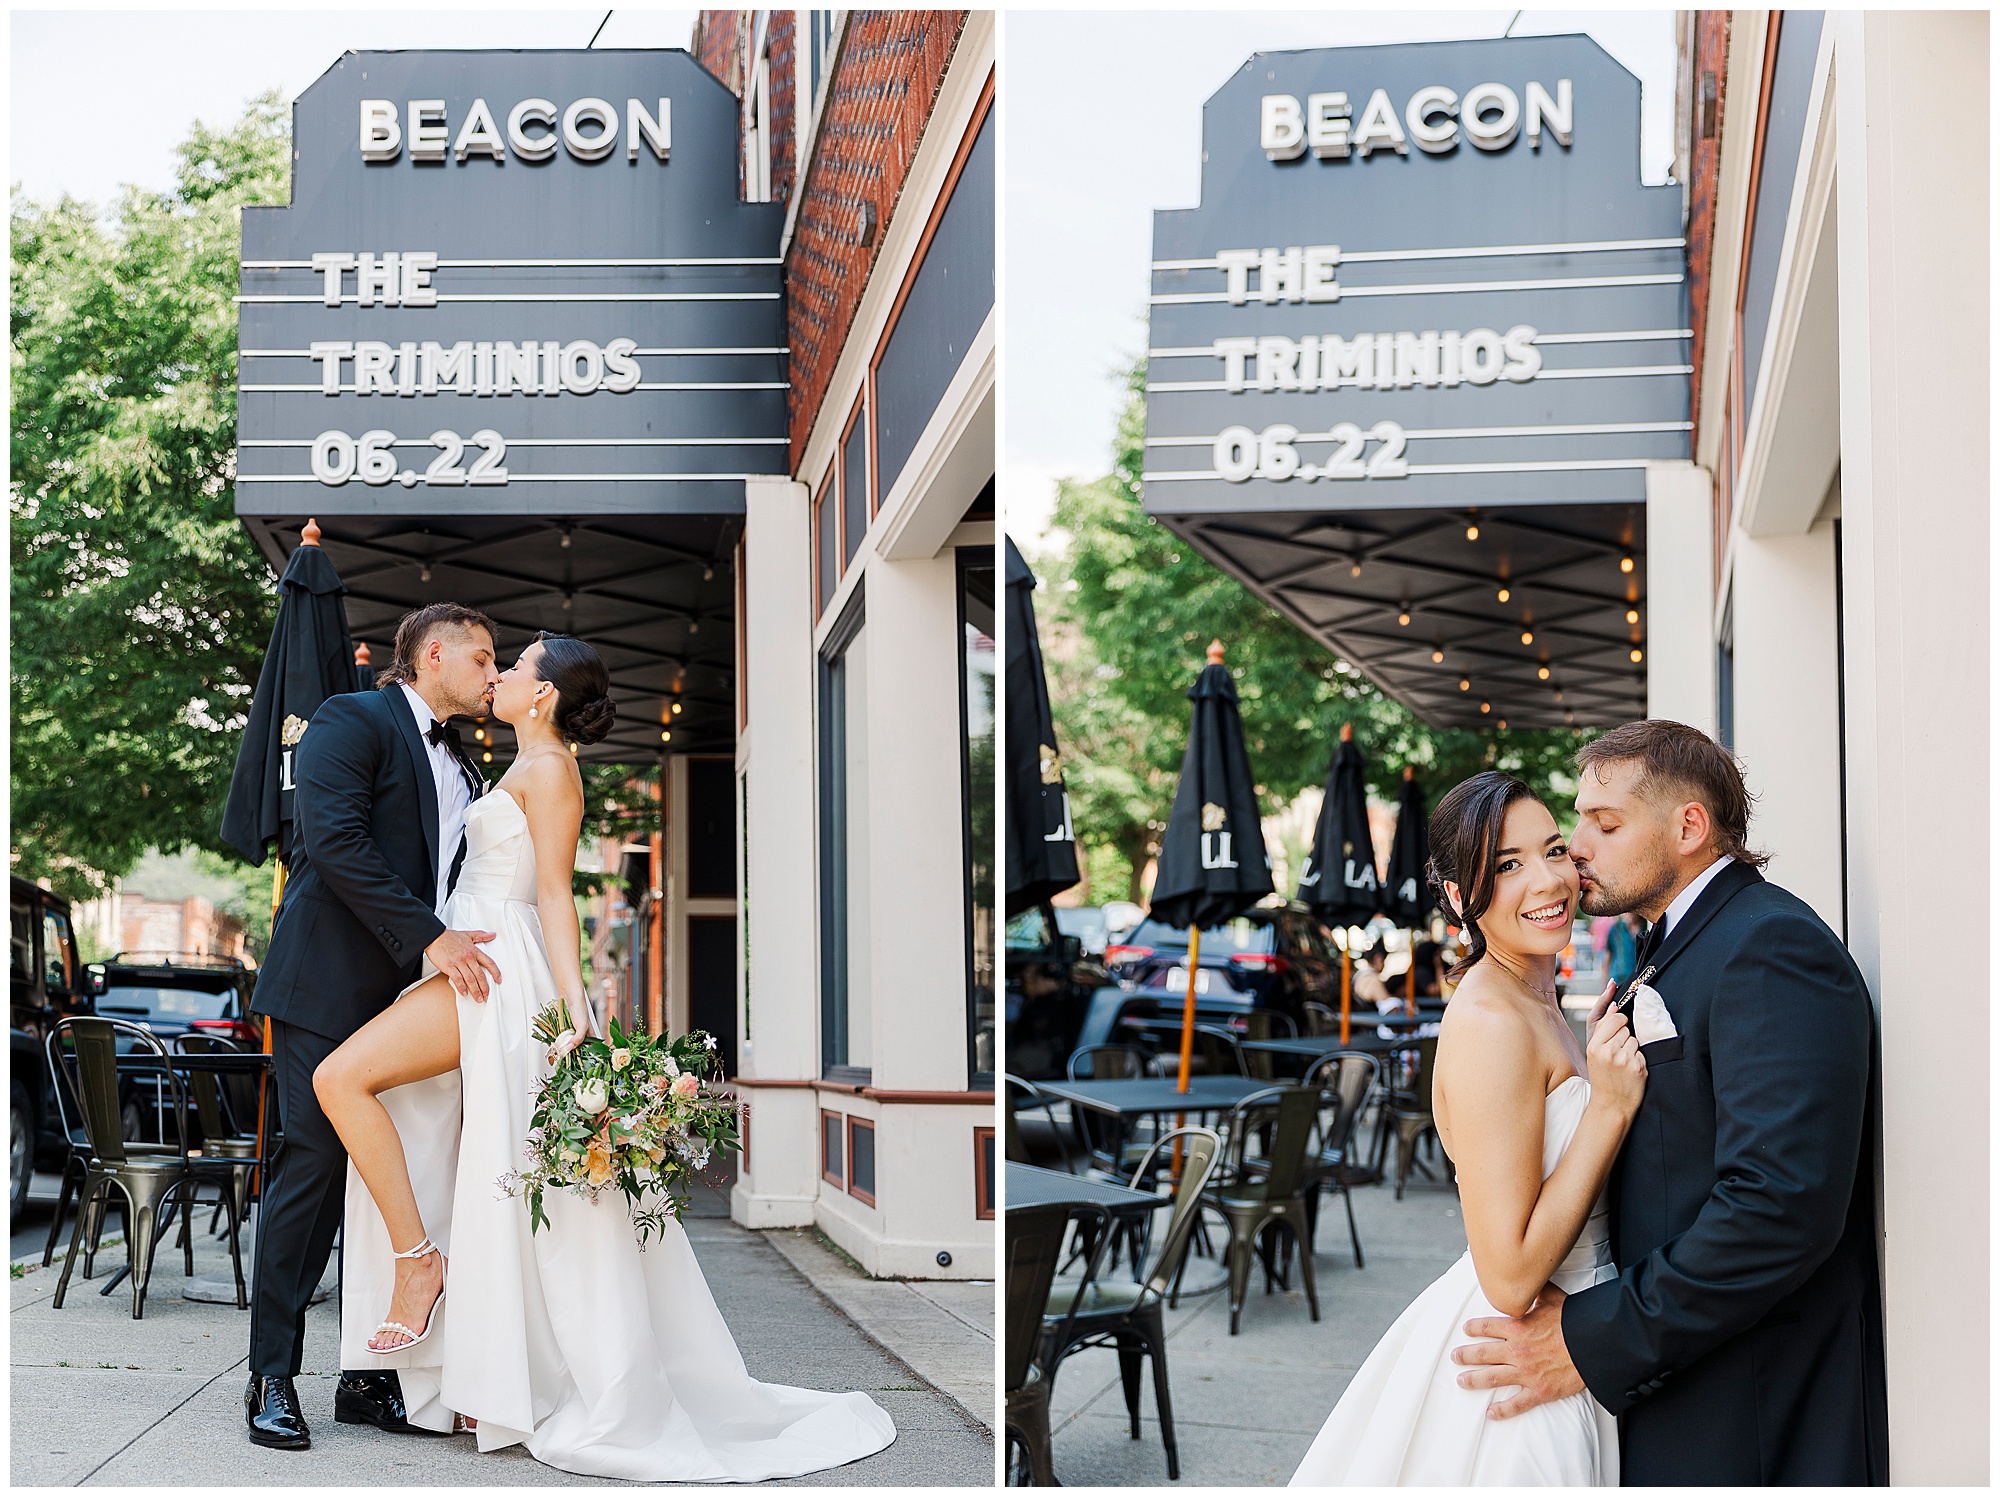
<point x="101" y="1399"/>
<point x="1246" y="1407"/>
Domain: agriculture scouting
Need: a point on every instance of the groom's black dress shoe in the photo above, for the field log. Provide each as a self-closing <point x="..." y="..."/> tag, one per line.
<point x="376" y="1398"/>
<point x="271" y="1406"/>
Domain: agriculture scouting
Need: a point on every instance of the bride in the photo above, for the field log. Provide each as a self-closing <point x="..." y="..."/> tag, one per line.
<point x="600" y="1357"/>
<point x="1533" y="1141"/>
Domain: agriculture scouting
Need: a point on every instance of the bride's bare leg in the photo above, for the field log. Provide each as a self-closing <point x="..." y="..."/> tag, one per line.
<point x="414" y="1039"/>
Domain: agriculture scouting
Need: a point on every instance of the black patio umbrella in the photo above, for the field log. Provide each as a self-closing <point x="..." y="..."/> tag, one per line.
<point x="310" y="658"/>
<point x="1406" y="895"/>
<point x="1339" y="881"/>
<point x="1212" y="863"/>
<point x="1041" y="846"/>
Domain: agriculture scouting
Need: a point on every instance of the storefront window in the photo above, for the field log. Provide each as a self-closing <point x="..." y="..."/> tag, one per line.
<point x="846" y="1028"/>
<point x="975" y="623"/>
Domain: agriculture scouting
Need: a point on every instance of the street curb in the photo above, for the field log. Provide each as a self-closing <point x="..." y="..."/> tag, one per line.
<point x="829" y="1277"/>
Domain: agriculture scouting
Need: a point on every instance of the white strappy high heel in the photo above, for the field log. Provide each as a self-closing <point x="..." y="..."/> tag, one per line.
<point x="422" y="1250"/>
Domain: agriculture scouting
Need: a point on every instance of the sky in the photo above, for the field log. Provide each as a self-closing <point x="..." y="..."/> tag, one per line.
<point x="1091" y="150"/>
<point x="143" y="76"/>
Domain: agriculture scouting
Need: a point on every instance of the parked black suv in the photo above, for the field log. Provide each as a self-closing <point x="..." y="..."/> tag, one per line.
<point x="1273" y="957"/>
<point x="46" y="984"/>
<point x="171" y="993"/>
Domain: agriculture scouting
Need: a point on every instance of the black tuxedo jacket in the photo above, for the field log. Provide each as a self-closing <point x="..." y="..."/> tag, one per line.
<point x="1741" y="1342"/>
<point x="357" y="912"/>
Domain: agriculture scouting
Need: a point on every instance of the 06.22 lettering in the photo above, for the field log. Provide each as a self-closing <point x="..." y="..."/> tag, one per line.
<point x="1242" y="454"/>
<point x="337" y="457"/>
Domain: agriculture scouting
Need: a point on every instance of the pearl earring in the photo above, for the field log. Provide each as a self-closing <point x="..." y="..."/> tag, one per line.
<point x="534" y="712"/>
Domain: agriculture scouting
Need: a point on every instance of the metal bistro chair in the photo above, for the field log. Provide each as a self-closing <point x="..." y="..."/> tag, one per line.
<point x="1344" y="1078"/>
<point x="1265" y="1024"/>
<point x="224" y="1142"/>
<point x="151" y="1183"/>
<point x="1408" y="1112"/>
<point x="1320" y="1019"/>
<point x="1034" y="1244"/>
<point x="1254" y="1196"/>
<point x="1107" y="1142"/>
<point x="1216" y="1052"/>
<point x="1021" y="1093"/>
<point x="1126" y="1315"/>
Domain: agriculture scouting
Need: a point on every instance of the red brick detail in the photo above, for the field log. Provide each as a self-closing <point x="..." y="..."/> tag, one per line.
<point x="781" y="46"/>
<point x="718" y="45"/>
<point x="1711" y="55"/>
<point x="885" y="84"/>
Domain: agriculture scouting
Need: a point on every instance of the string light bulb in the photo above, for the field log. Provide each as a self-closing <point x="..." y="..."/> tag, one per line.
<point x="1485" y="706"/>
<point x="1527" y="636"/>
<point x="487" y="757"/>
<point x="1637" y="656"/>
<point x="1403" y="619"/>
<point x="1543" y="673"/>
<point x="666" y="735"/>
<point x="1472" y="532"/>
<point x="1631" y="615"/>
<point x="480" y="734"/>
<point x="424" y="572"/>
<point x="1464" y="683"/>
<point x="1355" y="570"/>
<point x="677" y="709"/>
<point x="1505" y="594"/>
<point x="1624" y="563"/>
<point x="1437" y="657"/>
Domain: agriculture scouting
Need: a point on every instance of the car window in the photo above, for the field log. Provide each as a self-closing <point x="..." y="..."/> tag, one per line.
<point x="1028" y="932"/>
<point x="179" y="1004"/>
<point x="1241" y="935"/>
<point x="21" y="941"/>
<point x="56" y="952"/>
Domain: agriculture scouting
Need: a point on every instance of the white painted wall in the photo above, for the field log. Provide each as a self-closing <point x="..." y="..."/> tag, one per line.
<point x="1680" y="597"/>
<point x="1916" y="505"/>
<point x="1788" y="710"/>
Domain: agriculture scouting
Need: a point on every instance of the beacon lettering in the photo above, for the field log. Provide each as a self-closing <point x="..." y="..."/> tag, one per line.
<point x="588" y="130"/>
<point x="1489" y="115"/>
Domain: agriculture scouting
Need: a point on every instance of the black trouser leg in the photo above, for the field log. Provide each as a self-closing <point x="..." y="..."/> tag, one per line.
<point x="301" y="1208"/>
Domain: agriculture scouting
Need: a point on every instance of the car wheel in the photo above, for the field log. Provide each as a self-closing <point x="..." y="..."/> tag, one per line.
<point x="21" y="1156"/>
<point x="132" y="1122"/>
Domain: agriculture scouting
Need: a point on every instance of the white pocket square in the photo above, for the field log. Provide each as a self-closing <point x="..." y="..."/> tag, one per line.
<point x="1650" y="1020"/>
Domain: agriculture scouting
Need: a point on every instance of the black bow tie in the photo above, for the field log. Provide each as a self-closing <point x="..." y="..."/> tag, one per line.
<point x="440" y="734"/>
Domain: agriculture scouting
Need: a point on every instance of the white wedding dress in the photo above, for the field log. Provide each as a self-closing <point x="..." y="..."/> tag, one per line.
<point x="1404" y="1420"/>
<point x="602" y="1358"/>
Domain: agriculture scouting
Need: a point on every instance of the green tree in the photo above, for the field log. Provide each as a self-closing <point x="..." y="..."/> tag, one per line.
<point x="140" y="609"/>
<point x="1145" y="605"/>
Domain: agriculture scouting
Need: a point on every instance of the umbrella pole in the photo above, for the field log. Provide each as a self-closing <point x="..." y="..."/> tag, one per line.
<point x="1187" y="1034"/>
<point x="1410" y="985"/>
<point x="1346" y="988"/>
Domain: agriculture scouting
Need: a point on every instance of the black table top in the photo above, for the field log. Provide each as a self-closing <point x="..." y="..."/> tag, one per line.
<point x="1144" y="1095"/>
<point x="1031" y="1185"/>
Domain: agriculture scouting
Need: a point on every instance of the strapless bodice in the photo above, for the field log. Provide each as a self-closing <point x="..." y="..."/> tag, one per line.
<point x="1588" y="1260"/>
<point x="499" y="853"/>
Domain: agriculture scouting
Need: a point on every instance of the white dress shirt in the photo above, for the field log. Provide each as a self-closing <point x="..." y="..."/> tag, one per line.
<point x="1685" y="900"/>
<point x="453" y="796"/>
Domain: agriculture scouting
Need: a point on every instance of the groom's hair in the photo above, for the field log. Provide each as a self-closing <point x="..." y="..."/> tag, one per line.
<point x="1679" y="764"/>
<point x="420" y="626"/>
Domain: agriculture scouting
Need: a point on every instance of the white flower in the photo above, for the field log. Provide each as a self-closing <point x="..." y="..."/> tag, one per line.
<point x="592" y="1096"/>
<point x="620" y="1059"/>
<point x="708" y="1040"/>
<point x="671" y="1066"/>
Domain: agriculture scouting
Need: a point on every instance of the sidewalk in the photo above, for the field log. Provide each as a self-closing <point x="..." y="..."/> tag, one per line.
<point x="1246" y="1407"/>
<point x="100" y="1399"/>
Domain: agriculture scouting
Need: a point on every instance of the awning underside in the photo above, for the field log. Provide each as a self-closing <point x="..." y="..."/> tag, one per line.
<point x="654" y="594"/>
<point x="1561" y="567"/>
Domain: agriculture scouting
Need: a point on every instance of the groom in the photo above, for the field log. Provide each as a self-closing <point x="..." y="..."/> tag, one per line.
<point x="1741" y="1342"/>
<point x="383" y="787"/>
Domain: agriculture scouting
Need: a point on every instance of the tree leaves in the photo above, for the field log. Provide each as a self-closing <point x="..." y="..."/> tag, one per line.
<point x="140" y="609"/>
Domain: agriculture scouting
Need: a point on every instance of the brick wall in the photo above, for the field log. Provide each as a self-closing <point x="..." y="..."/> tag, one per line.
<point x="784" y="105"/>
<point x="890" y="67"/>
<point x="719" y="45"/>
<point x="1711" y="54"/>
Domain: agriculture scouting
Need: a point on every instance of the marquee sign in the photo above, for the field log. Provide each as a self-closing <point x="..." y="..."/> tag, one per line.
<point x="1422" y="278"/>
<point x="510" y="283"/>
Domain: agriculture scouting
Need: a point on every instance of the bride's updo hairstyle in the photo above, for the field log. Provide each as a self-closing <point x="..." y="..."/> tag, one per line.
<point x="584" y="709"/>
<point x="1465" y="833"/>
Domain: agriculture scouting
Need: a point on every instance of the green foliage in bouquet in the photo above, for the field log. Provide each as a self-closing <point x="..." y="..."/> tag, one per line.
<point x="629" y="1112"/>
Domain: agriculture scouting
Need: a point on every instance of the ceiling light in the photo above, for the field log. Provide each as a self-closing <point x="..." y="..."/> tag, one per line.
<point x="1527" y="636"/>
<point x="1472" y="532"/>
<point x="677" y="709"/>
<point x="666" y="736"/>
<point x="1637" y="656"/>
<point x="1403" y="619"/>
<point x="1485" y="706"/>
<point x="1631" y="615"/>
<point x="1624" y="563"/>
<point x="480" y="734"/>
<point x="1437" y="657"/>
<point x="1464" y="683"/>
<point x="1505" y="595"/>
<point x="487" y="757"/>
<point x="1355" y="570"/>
<point x="1543" y="673"/>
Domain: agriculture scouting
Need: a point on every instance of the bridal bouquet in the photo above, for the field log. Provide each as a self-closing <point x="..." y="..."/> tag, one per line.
<point x="628" y="1112"/>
